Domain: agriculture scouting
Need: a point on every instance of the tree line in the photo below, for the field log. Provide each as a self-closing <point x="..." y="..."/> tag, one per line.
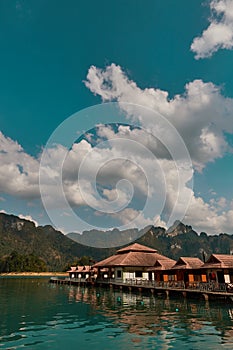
<point x="16" y="262"/>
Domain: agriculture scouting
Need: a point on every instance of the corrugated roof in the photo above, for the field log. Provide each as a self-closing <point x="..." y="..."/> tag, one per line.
<point x="187" y="263"/>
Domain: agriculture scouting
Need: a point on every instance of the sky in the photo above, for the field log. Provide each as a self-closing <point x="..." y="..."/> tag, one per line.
<point x="117" y="114"/>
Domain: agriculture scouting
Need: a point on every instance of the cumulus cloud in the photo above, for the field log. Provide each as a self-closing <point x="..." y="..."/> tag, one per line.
<point x="131" y="218"/>
<point x="219" y="34"/>
<point x="209" y="217"/>
<point x="120" y="170"/>
<point x="29" y="218"/>
<point x="105" y="177"/>
<point x="18" y="171"/>
<point x="201" y="114"/>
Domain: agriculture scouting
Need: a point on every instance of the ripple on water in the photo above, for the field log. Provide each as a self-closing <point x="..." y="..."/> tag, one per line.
<point x="40" y="317"/>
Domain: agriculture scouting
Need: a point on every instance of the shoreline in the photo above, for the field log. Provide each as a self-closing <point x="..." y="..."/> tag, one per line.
<point x="34" y="274"/>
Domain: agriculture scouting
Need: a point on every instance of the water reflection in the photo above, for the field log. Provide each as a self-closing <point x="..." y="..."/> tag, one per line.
<point x="41" y="315"/>
<point x="151" y="315"/>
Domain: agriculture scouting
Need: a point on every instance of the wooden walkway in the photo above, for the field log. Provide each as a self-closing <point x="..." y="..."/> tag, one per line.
<point x="204" y="290"/>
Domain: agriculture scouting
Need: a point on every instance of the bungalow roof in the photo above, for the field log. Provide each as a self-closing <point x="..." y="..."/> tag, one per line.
<point x="133" y="255"/>
<point x="219" y="261"/>
<point x="80" y="269"/>
<point x="136" y="247"/>
<point x="187" y="263"/>
<point x="164" y="264"/>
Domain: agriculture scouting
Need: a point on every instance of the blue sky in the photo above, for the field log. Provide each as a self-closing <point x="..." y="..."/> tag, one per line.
<point x="47" y="50"/>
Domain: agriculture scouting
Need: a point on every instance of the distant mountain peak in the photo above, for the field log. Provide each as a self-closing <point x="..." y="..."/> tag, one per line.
<point x="178" y="228"/>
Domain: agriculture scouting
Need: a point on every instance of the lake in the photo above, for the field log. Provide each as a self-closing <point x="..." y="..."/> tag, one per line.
<point x="39" y="315"/>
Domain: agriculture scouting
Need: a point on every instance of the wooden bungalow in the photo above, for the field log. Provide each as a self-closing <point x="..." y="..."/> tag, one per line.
<point x="130" y="263"/>
<point x="82" y="272"/>
<point x="161" y="271"/>
<point x="188" y="270"/>
<point x="219" y="268"/>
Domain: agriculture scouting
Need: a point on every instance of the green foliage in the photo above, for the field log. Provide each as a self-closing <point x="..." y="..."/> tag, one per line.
<point x="53" y="247"/>
<point x="186" y="242"/>
<point x="24" y="247"/>
<point x="85" y="260"/>
<point x="16" y="262"/>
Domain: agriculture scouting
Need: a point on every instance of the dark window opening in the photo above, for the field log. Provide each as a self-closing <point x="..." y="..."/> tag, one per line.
<point x="118" y="273"/>
<point x="138" y="274"/>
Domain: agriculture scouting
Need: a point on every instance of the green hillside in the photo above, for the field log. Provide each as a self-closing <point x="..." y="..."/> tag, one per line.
<point x="51" y="246"/>
<point x="26" y="247"/>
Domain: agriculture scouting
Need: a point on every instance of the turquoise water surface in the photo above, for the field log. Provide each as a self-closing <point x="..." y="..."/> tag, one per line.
<point x="39" y="315"/>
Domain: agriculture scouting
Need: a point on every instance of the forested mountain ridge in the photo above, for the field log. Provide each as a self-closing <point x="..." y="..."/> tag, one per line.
<point x="46" y="248"/>
<point x="178" y="240"/>
<point x="44" y="242"/>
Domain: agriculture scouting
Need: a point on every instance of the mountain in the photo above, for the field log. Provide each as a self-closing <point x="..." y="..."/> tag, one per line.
<point x="182" y="240"/>
<point x="45" y="244"/>
<point x="105" y="239"/>
<point x="179" y="240"/>
<point x="116" y="238"/>
<point x="53" y="247"/>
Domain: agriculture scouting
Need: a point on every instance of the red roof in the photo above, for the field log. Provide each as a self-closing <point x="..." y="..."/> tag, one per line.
<point x="219" y="261"/>
<point x="164" y="264"/>
<point x="133" y="255"/>
<point x="82" y="269"/>
<point x="187" y="263"/>
<point x="135" y="247"/>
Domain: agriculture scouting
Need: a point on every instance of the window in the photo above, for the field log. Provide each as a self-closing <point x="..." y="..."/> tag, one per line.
<point x="138" y="274"/>
<point x="118" y="273"/>
<point x="172" y="277"/>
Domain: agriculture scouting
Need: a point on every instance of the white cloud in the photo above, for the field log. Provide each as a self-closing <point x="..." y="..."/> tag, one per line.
<point x="219" y="34"/>
<point x="209" y="217"/>
<point x="131" y="164"/>
<point x="18" y="171"/>
<point x="134" y="218"/>
<point x="212" y="217"/>
<point x="29" y="218"/>
<point x="201" y="115"/>
<point x="21" y="216"/>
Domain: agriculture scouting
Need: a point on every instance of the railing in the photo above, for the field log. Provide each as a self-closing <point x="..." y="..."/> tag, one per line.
<point x="138" y="282"/>
<point x="195" y="286"/>
<point x="75" y="279"/>
<point x="155" y="284"/>
<point x="171" y="284"/>
<point x="213" y="287"/>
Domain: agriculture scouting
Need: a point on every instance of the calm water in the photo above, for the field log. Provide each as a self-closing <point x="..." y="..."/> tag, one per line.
<point x="39" y="315"/>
